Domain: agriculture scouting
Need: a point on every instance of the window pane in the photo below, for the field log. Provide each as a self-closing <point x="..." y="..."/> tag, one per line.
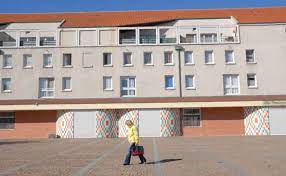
<point x="192" y="117"/>
<point x="188" y="57"/>
<point x="107" y="82"/>
<point x="107" y="59"/>
<point x="66" y="83"/>
<point x="67" y="60"/>
<point x="124" y="83"/>
<point x="47" y="60"/>
<point x="229" y="57"/>
<point x="127" y="59"/>
<point x="189" y="81"/>
<point x="147" y="58"/>
<point x="168" y="57"/>
<point x="169" y="82"/>
<point x="132" y="82"/>
<point x="6" y="84"/>
<point x="7" y="61"/>
<point x="208" y="56"/>
<point x="249" y="55"/>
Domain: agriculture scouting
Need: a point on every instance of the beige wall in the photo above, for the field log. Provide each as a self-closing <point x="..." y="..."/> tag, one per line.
<point x="269" y="43"/>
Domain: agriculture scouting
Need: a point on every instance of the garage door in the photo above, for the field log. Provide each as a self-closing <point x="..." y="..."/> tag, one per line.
<point x="277" y="121"/>
<point x="84" y="124"/>
<point x="149" y="123"/>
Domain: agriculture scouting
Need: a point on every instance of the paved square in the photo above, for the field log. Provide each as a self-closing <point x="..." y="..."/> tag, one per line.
<point x="206" y="156"/>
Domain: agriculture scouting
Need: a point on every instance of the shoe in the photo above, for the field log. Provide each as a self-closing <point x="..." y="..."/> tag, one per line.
<point x="144" y="162"/>
<point x="125" y="164"/>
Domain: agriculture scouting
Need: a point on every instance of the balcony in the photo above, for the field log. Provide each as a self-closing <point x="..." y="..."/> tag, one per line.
<point x="168" y="35"/>
<point x="7" y="39"/>
<point x="127" y="36"/>
<point x="47" y="41"/>
<point x="28" y="41"/>
<point x="147" y="36"/>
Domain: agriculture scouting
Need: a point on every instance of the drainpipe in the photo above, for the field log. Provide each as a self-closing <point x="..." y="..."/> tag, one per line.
<point x="179" y="48"/>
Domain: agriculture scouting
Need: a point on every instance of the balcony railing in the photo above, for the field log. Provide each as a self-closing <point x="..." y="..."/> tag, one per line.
<point x="47" y="41"/>
<point x="7" y="43"/>
<point x="167" y="40"/>
<point x="128" y="41"/>
<point x="148" y="40"/>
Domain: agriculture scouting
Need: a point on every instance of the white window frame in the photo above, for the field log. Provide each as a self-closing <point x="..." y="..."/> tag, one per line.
<point x="104" y="83"/>
<point x="85" y="65"/>
<point x="194" y="84"/>
<point x="128" y="88"/>
<point x="225" y="56"/>
<point x="191" y="126"/>
<point x="255" y="80"/>
<point x="172" y="57"/>
<point x="231" y="87"/>
<point x="63" y="84"/>
<point x="213" y="59"/>
<point x="47" y="66"/>
<point x="47" y="89"/>
<point x="131" y="59"/>
<point x="254" y="57"/>
<point x="192" y="53"/>
<point x="25" y="56"/>
<point x="10" y="85"/>
<point x="67" y="66"/>
<point x="107" y="65"/>
<point x="150" y="64"/>
<point x="173" y="80"/>
<point x="8" y="66"/>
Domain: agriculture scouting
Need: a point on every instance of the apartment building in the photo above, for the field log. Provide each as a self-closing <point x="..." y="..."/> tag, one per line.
<point x="180" y="72"/>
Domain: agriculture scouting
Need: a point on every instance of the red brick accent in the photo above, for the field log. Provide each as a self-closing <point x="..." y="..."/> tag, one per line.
<point x="218" y="122"/>
<point x="31" y="124"/>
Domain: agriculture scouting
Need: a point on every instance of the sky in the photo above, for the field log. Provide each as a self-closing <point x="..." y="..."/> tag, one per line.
<point x="45" y="6"/>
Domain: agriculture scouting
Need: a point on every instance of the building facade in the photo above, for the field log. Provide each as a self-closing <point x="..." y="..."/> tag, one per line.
<point x="190" y="73"/>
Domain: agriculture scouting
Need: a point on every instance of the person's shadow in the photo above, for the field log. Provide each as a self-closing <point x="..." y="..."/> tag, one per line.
<point x="164" y="161"/>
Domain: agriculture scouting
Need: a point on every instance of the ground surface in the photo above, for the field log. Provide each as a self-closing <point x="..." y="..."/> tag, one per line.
<point x="180" y="156"/>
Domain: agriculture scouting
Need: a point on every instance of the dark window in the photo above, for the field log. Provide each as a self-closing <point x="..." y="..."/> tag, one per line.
<point x="192" y="117"/>
<point x="7" y="120"/>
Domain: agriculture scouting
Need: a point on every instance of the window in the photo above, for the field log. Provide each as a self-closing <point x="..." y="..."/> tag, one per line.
<point x="250" y="56"/>
<point x="107" y="83"/>
<point x="148" y="60"/>
<point x="208" y="38"/>
<point x="107" y="59"/>
<point x="27" y="60"/>
<point x="127" y="59"/>
<point x="128" y="86"/>
<point x="47" y="61"/>
<point x="231" y="84"/>
<point x="46" y="87"/>
<point x="7" y="61"/>
<point x="67" y="60"/>
<point x="190" y="82"/>
<point x="189" y="58"/>
<point x="169" y="82"/>
<point x="192" y="117"/>
<point x="229" y="57"/>
<point x="87" y="59"/>
<point x="168" y="58"/>
<point x="6" y="84"/>
<point x="66" y="84"/>
<point x="7" y="120"/>
<point x="209" y="57"/>
<point x="251" y="80"/>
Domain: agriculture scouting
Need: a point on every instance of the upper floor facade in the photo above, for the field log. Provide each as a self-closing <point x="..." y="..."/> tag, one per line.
<point x="177" y="58"/>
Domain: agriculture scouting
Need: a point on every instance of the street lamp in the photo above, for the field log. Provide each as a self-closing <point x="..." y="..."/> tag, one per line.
<point x="179" y="48"/>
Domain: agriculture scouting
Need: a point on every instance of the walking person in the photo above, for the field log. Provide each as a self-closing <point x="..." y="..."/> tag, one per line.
<point x="133" y="139"/>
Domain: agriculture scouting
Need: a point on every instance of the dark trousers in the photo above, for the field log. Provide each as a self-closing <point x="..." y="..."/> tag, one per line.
<point x="129" y="154"/>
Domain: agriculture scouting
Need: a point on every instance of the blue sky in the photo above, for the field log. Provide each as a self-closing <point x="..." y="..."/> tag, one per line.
<point x="36" y="6"/>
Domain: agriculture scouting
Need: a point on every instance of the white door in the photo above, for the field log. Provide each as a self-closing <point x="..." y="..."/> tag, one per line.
<point x="149" y="123"/>
<point x="277" y="121"/>
<point x="84" y="124"/>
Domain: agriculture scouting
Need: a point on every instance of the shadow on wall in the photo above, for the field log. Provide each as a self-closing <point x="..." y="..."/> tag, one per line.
<point x="17" y="142"/>
<point x="164" y="161"/>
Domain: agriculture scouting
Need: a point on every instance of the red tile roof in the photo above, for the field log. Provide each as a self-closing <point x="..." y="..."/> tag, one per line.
<point x="127" y="18"/>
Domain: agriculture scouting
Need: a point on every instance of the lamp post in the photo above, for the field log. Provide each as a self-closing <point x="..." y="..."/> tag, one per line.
<point x="179" y="48"/>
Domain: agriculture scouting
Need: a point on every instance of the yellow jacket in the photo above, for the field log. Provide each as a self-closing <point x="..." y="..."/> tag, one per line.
<point x="133" y="135"/>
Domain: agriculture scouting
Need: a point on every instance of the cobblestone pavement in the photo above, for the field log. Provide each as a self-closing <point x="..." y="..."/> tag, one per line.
<point x="178" y="156"/>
